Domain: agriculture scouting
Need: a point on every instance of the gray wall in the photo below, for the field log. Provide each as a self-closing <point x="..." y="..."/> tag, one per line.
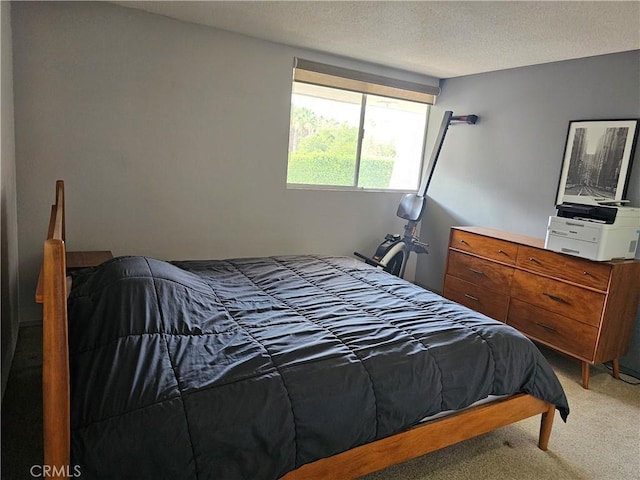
<point x="172" y="140"/>
<point x="8" y="223"/>
<point x="503" y="172"/>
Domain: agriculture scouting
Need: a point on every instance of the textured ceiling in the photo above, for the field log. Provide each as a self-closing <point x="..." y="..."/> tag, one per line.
<point x="439" y="38"/>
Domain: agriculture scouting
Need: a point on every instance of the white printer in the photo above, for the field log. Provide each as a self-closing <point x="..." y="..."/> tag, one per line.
<point x="596" y="232"/>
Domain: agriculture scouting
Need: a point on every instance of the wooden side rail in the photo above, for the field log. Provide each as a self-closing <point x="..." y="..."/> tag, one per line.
<point x="429" y="437"/>
<point x="52" y="293"/>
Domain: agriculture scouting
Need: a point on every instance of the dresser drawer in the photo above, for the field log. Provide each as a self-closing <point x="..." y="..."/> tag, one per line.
<point x="488" y="247"/>
<point x="484" y="273"/>
<point x="477" y="298"/>
<point x="555" y="330"/>
<point x="573" y="269"/>
<point x="559" y="297"/>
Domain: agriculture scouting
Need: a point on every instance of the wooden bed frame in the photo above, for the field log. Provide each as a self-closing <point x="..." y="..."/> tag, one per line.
<point x="422" y="439"/>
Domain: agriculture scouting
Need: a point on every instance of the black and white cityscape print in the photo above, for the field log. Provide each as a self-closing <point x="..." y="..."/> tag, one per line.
<point x="596" y="161"/>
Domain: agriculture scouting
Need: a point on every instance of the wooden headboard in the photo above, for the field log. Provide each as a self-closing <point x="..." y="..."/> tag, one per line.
<point x="52" y="293"/>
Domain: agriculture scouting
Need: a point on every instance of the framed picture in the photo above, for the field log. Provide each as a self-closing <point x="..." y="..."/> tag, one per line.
<point x="597" y="161"/>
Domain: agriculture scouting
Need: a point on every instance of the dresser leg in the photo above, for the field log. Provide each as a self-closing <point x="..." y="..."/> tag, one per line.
<point x="616" y="368"/>
<point x="585" y="375"/>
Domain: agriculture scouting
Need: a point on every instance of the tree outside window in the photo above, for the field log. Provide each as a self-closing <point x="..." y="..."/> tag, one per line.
<point x="340" y="138"/>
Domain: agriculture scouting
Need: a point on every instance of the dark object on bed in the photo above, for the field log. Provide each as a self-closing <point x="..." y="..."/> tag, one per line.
<point x="250" y="368"/>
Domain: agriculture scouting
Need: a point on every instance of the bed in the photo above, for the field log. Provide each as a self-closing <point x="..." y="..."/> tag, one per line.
<point x="288" y="367"/>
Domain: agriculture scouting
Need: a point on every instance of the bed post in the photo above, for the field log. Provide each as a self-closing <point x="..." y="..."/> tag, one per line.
<point x="55" y="366"/>
<point x="546" y="423"/>
<point x="52" y="292"/>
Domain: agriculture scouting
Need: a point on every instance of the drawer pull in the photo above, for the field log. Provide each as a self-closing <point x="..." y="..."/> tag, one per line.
<point x="532" y="259"/>
<point x="555" y="298"/>
<point x="463" y="241"/>
<point x="475" y="299"/>
<point x="546" y="327"/>
<point x="502" y="252"/>
<point x="478" y="272"/>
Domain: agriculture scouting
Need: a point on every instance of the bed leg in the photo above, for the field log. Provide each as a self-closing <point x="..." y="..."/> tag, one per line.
<point x="545" y="427"/>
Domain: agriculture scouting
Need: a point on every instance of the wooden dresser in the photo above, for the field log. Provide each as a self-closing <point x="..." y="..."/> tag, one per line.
<point x="582" y="308"/>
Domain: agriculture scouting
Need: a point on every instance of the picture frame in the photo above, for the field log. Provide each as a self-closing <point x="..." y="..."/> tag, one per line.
<point x="597" y="161"/>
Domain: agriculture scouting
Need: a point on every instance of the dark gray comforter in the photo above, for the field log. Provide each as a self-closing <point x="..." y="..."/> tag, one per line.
<point x="249" y="368"/>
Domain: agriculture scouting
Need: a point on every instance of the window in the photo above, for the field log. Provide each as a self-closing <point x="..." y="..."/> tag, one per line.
<point x="354" y="135"/>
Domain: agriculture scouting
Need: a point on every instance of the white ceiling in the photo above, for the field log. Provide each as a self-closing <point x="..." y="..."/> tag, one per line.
<point x="439" y="38"/>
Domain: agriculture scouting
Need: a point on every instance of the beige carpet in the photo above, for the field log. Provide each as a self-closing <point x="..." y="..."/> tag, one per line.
<point x="600" y="441"/>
